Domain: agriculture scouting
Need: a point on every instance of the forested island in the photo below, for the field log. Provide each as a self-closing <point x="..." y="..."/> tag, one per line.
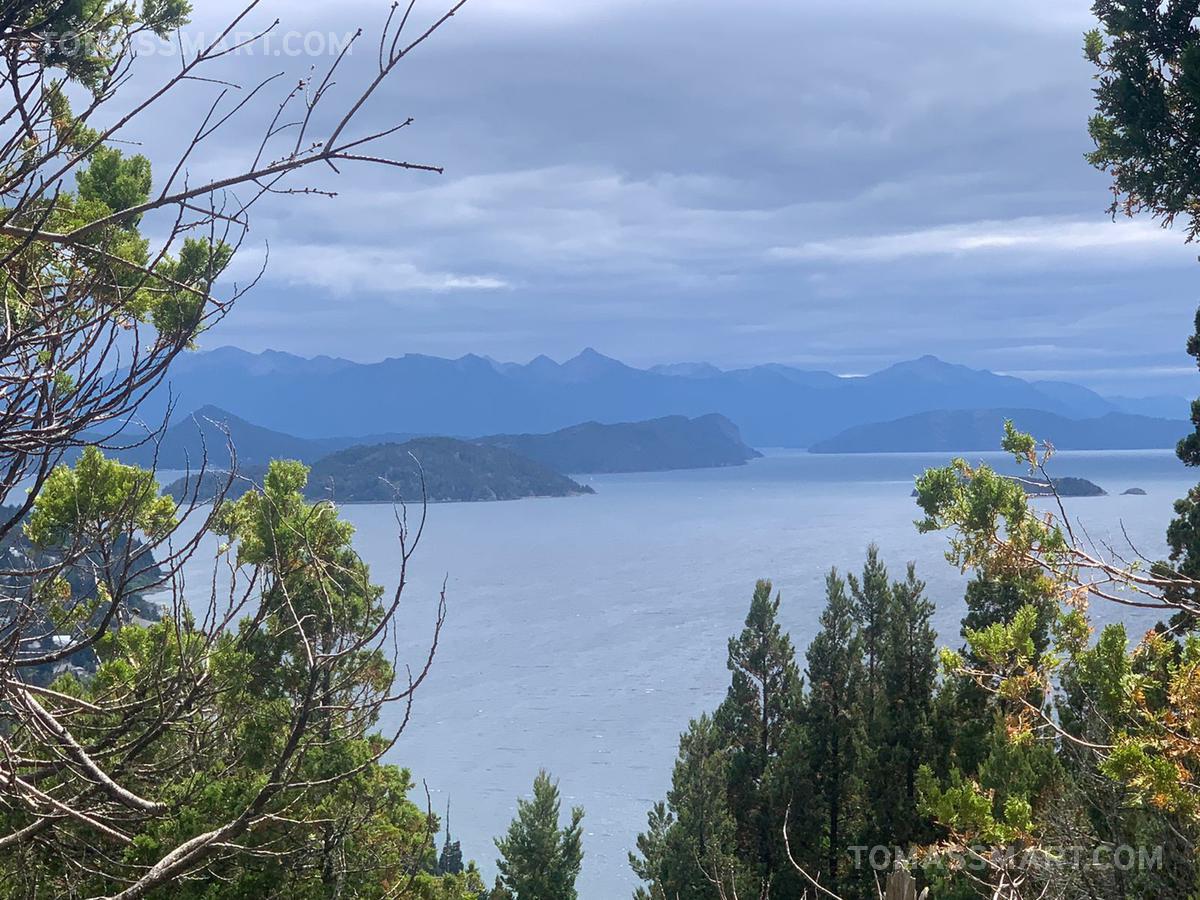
<point x="1067" y="486"/>
<point x="442" y="469"/>
<point x="672" y="442"/>
<point x="437" y="470"/>
<point x="218" y="438"/>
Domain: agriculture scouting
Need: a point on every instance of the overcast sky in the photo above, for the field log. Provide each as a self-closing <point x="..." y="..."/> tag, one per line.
<point x="835" y="185"/>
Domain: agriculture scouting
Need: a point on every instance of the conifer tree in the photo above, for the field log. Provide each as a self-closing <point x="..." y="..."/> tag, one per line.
<point x="649" y="863"/>
<point x="835" y="729"/>
<point x="872" y="600"/>
<point x="872" y="597"/>
<point x="996" y="599"/>
<point x="757" y="708"/>
<point x="450" y="861"/>
<point x="908" y="668"/>
<point x="539" y="860"/>
<point x="969" y="709"/>
<point x="690" y="845"/>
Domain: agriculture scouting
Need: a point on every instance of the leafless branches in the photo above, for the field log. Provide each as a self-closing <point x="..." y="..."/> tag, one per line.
<point x="94" y="316"/>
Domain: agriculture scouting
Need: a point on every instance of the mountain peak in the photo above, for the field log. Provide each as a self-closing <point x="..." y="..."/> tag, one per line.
<point x="591" y="354"/>
<point x="474" y="360"/>
<point x="591" y="362"/>
<point x="928" y="361"/>
<point x="927" y="366"/>
<point x="211" y="411"/>
<point x="211" y="414"/>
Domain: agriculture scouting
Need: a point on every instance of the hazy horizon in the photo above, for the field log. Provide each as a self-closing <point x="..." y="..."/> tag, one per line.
<point x="1181" y="392"/>
<point x="777" y="202"/>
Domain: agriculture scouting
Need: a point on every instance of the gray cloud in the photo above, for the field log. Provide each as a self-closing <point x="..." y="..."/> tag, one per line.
<point x="830" y="184"/>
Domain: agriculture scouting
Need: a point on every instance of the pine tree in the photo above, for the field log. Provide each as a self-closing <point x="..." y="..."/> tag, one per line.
<point x="834" y="727"/>
<point x="756" y="711"/>
<point x="872" y="601"/>
<point x="994" y="600"/>
<point x="872" y="597"/>
<point x="450" y="862"/>
<point x="649" y="863"/>
<point x="691" y="844"/>
<point x="908" y="668"/>
<point x="538" y="859"/>
<point x="969" y="712"/>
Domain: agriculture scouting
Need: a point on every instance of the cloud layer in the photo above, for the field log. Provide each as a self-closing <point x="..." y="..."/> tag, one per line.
<point x="830" y="184"/>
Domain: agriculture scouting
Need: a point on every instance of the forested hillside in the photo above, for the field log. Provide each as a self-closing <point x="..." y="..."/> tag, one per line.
<point x="958" y="430"/>
<point x="671" y="443"/>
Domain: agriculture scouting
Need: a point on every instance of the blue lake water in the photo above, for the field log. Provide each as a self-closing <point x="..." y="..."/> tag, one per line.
<point x="584" y="633"/>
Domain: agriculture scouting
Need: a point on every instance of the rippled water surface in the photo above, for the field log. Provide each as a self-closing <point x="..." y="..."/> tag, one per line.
<point x="583" y="633"/>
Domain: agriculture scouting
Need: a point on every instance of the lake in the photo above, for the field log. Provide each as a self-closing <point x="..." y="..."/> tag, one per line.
<point x="583" y="633"/>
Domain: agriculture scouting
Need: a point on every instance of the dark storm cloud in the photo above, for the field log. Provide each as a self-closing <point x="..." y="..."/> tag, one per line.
<point x="831" y="184"/>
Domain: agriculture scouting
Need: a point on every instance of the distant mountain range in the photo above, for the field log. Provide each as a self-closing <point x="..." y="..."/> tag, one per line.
<point x="954" y="430"/>
<point x="773" y="405"/>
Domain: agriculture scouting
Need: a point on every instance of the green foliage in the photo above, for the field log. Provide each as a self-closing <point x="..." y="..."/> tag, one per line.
<point x="1005" y="646"/>
<point x="997" y="601"/>
<point x="1110" y="756"/>
<point x="760" y="703"/>
<point x="835" y="737"/>
<point x="1146" y="127"/>
<point x="96" y="502"/>
<point x="539" y="860"/>
<point x="342" y="825"/>
<point x="109" y="266"/>
<point x="82" y="37"/>
<point x="232" y="754"/>
<point x="700" y="847"/>
<point x="901" y="723"/>
<point x="1183" y="534"/>
<point x="650" y="862"/>
<point x="186" y="283"/>
<point x="117" y="182"/>
<point x="962" y="806"/>
<point x="450" y="860"/>
<point x="312" y="574"/>
<point x="872" y="597"/>
<point x="993" y="529"/>
<point x="833" y="766"/>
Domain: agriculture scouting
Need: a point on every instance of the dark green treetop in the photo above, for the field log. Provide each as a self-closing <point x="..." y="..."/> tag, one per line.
<point x="539" y="859"/>
<point x="758" y="707"/>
